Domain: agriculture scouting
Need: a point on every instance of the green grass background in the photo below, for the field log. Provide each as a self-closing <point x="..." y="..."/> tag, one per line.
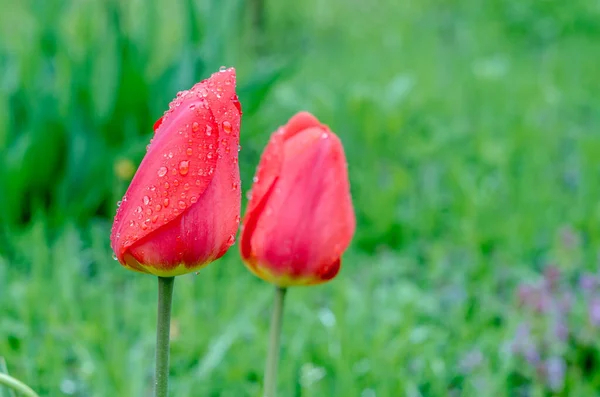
<point x="471" y="130"/>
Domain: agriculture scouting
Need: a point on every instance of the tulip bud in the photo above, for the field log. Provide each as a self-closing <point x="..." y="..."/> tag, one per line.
<point x="181" y="210"/>
<point x="299" y="218"/>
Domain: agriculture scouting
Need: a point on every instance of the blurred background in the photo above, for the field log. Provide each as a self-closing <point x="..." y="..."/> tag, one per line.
<point x="472" y="135"/>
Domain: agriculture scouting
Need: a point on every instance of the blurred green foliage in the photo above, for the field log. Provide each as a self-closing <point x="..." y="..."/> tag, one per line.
<point x="472" y="135"/>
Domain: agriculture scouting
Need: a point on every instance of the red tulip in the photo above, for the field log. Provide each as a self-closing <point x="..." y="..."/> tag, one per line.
<point x="299" y="218"/>
<point x="181" y="210"/>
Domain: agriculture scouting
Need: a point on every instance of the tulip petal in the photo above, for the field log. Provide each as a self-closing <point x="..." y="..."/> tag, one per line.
<point x="201" y="125"/>
<point x="308" y="220"/>
<point x="299" y="122"/>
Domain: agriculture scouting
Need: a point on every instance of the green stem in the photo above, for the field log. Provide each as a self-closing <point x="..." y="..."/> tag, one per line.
<point x="274" y="344"/>
<point x="163" y="328"/>
<point x="17" y="385"/>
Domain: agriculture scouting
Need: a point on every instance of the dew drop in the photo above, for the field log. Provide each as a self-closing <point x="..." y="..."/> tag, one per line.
<point x="181" y="204"/>
<point x="202" y="91"/>
<point x="255" y="179"/>
<point x="146" y="200"/>
<point x="119" y="203"/>
<point x="166" y="185"/>
<point x="170" y="155"/>
<point x="237" y="219"/>
<point x="249" y="194"/>
<point x="184" y="167"/>
<point x="175" y="182"/>
<point x="154" y="218"/>
<point x="144" y="226"/>
<point x="227" y="127"/>
<point x="174" y="171"/>
<point x="166" y="202"/>
<point x="162" y="171"/>
<point x="157" y="207"/>
<point x="192" y="106"/>
<point x="208" y="130"/>
<point x="222" y="68"/>
<point x="114" y="256"/>
<point x="209" y="155"/>
<point x="189" y="151"/>
<point x="234" y="185"/>
<point x="239" y="148"/>
<point x="198" y="181"/>
<point x="193" y="199"/>
<point x="324" y="135"/>
<point x="138" y="210"/>
<point x="231" y="240"/>
<point x="195" y="126"/>
<point x="186" y="186"/>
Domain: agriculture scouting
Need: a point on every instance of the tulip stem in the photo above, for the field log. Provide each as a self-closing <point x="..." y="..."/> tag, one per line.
<point x="163" y="328"/>
<point x="17" y="385"/>
<point x="274" y="344"/>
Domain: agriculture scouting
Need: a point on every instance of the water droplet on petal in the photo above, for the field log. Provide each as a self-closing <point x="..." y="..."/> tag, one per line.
<point x="170" y="155"/>
<point x="146" y="200"/>
<point x="209" y="155"/>
<point x="198" y="181"/>
<point x="114" y="256"/>
<point x="119" y="203"/>
<point x="148" y="211"/>
<point x="166" y="202"/>
<point x="144" y="226"/>
<point x="208" y="130"/>
<point x="231" y="240"/>
<point x="154" y="218"/>
<point x="193" y="199"/>
<point x="237" y="219"/>
<point x="157" y="207"/>
<point x="227" y="127"/>
<point x="255" y="179"/>
<point x="239" y="148"/>
<point x="138" y="210"/>
<point x="195" y="126"/>
<point x="186" y="186"/>
<point x="175" y="182"/>
<point x="181" y="204"/>
<point x="222" y="68"/>
<point x="202" y="91"/>
<point x="162" y="171"/>
<point x="234" y="185"/>
<point x="189" y="151"/>
<point x="167" y="185"/>
<point x="184" y="167"/>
